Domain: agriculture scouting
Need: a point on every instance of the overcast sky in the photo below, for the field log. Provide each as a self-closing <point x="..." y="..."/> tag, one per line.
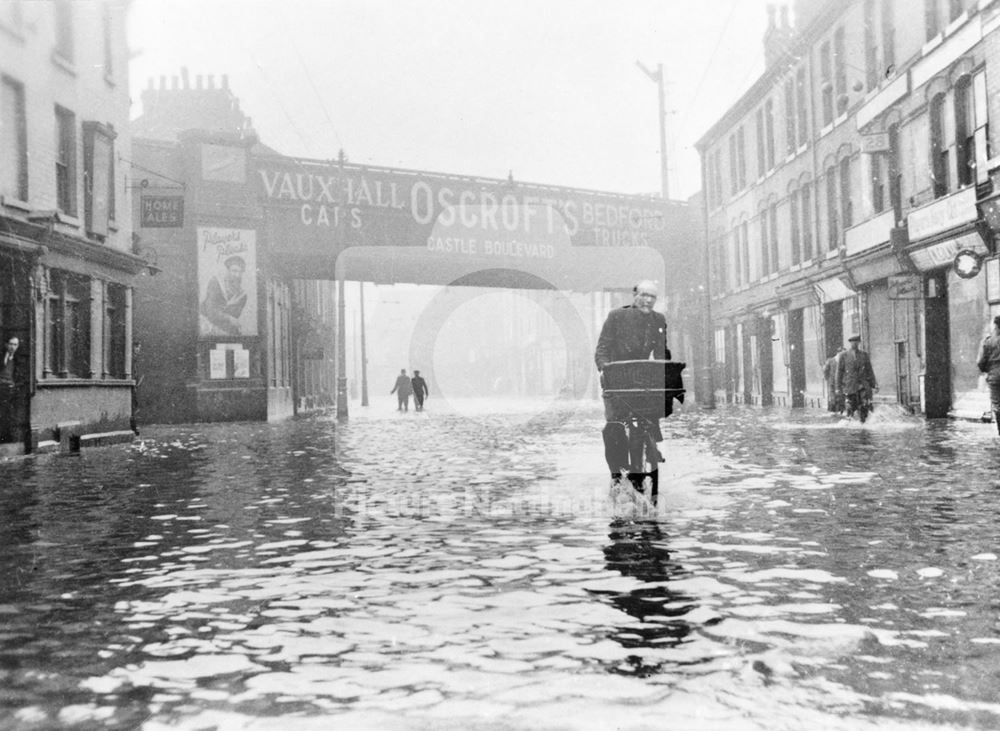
<point x="547" y="89"/>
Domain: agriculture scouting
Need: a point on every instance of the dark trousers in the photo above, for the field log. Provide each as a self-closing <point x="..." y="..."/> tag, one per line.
<point x="8" y="411"/>
<point x="404" y="402"/>
<point x="995" y="401"/>
<point x="418" y="401"/>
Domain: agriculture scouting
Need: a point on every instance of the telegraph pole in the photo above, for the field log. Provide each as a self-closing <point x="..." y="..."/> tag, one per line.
<point x="364" y="351"/>
<point x="657" y="76"/>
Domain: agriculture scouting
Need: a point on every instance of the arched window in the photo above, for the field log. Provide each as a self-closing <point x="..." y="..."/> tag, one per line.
<point x="939" y="148"/>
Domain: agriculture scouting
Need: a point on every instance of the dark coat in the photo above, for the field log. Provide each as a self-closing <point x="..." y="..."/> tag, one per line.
<point x="628" y="334"/>
<point x="854" y="371"/>
<point x="419" y="386"/>
<point x="402" y="385"/>
<point x="989" y="358"/>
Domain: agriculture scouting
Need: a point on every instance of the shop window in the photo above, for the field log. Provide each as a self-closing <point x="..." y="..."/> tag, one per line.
<point x="63" y="10"/>
<point x="66" y="161"/>
<point x="13" y="140"/>
<point x="68" y="326"/>
<point x="115" y="327"/>
<point x="98" y="177"/>
<point x="939" y="148"/>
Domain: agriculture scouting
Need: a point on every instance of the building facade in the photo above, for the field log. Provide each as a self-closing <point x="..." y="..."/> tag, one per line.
<point x="850" y="190"/>
<point x="67" y="266"/>
<point x="225" y="333"/>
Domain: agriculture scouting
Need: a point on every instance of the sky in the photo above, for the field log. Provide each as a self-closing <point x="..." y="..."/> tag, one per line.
<point x="548" y="91"/>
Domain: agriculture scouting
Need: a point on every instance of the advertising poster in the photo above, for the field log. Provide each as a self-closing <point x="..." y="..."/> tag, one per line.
<point x="227" y="282"/>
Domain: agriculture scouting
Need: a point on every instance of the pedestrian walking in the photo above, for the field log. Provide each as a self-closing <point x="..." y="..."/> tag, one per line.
<point x="835" y="401"/>
<point x="856" y="379"/>
<point x="8" y="389"/>
<point x="402" y="389"/>
<point x="420" y="390"/>
<point x="989" y="363"/>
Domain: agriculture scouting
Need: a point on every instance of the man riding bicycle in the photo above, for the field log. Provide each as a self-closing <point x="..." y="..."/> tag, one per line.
<point x="632" y="332"/>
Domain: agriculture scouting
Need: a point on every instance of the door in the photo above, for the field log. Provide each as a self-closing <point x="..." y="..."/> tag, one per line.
<point x="15" y="322"/>
<point x="937" y="369"/>
<point x="797" y="357"/>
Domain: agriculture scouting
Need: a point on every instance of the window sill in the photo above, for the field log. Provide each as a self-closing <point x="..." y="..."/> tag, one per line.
<point x="76" y="382"/>
<point x="63" y="63"/>
<point x="9" y="202"/>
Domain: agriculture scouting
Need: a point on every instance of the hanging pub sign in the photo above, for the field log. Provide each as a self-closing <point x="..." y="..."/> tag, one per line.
<point x="161" y="211"/>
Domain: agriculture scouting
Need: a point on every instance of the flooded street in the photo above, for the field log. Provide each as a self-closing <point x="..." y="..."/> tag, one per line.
<point x="465" y="567"/>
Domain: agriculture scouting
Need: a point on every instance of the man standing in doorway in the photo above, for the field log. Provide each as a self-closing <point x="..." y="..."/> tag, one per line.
<point x="856" y="379"/>
<point x="8" y="390"/>
<point x="420" y="391"/>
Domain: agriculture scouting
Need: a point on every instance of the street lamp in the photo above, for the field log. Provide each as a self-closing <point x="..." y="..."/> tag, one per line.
<point x="657" y="76"/>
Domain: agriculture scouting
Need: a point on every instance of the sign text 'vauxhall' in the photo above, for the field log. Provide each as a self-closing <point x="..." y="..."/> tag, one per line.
<point x="384" y="207"/>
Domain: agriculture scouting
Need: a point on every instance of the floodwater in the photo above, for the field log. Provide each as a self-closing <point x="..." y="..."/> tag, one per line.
<point x="467" y="568"/>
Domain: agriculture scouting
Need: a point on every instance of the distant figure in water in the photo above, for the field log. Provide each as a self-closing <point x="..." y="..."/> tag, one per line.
<point x="420" y="391"/>
<point x="989" y="363"/>
<point x="402" y="389"/>
<point x="835" y="401"/>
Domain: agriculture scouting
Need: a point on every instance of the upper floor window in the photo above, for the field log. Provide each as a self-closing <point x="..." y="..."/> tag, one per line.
<point x="765" y="244"/>
<point x="790" y="145"/>
<point x="745" y="249"/>
<point x="805" y="196"/>
<point x="13" y="140"/>
<point x="888" y="38"/>
<point x="773" y="215"/>
<point x="107" y="33"/>
<point x="965" y="141"/>
<point x="98" y="177"/>
<point x="741" y="158"/>
<point x="801" y="106"/>
<point x="793" y="219"/>
<point x="846" y="204"/>
<point x="826" y="82"/>
<point x="769" y="132"/>
<point x="761" y="163"/>
<point x="66" y="161"/>
<point x="840" y="70"/>
<point x="939" y="147"/>
<point x="832" y="225"/>
<point x="871" y="49"/>
<point x="63" y="10"/>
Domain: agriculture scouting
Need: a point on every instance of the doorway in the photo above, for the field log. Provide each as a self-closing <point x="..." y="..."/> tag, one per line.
<point x="937" y="337"/>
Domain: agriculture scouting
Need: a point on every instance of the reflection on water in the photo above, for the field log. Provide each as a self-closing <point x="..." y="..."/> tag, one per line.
<point x="437" y="570"/>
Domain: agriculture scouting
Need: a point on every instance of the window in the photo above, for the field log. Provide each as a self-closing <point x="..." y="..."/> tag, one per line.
<point x="939" y="150"/>
<point x="955" y="8"/>
<point x="64" y="29"/>
<point x="793" y="219"/>
<point x="832" y="232"/>
<point x="965" y="140"/>
<point x="737" y="259"/>
<point x="801" y="106"/>
<point x="895" y="176"/>
<point x="769" y="132"/>
<point x="761" y="164"/>
<point x="741" y="155"/>
<point x="774" y="236"/>
<point x="13" y="141"/>
<point x="98" y="177"/>
<point x="106" y="28"/>
<point x="826" y="82"/>
<point x="745" y="246"/>
<point x="765" y="243"/>
<point x="734" y="184"/>
<point x="879" y="162"/>
<point x="66" y="161"/>
<point x="931" y="19"/>
<point x="807" y="241"/>
<point x="114" y="327"/>
<point x="840" y="70"/>
<point x="846" y="206"/>
<point x="68" y="326"/>
<point x="871" y="50"/>
<point x="790" y="116"/>
<point x="888" y="38"/>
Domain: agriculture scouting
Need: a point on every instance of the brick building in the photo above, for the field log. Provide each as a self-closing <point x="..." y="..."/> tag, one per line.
<point x="840" y="190"/>
<point x="66" y="262"/>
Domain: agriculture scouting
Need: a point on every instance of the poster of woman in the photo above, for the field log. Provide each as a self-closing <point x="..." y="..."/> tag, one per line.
<point x="227" y="282"/>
